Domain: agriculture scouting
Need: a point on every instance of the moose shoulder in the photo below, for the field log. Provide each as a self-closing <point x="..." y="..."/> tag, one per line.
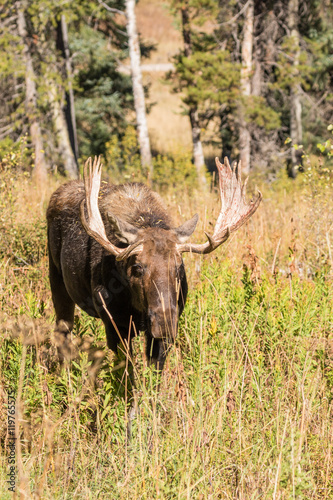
<point x="114" y="252"/>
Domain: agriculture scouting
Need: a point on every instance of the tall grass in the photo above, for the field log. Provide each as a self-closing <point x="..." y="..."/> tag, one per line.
<point x="244" y="407"/>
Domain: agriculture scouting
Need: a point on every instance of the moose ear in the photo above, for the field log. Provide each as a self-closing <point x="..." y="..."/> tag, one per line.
<point x="184" y="231"/>
<point x="125" y="232"/>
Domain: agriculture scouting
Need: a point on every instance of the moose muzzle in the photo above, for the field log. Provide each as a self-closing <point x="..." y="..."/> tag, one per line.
<point x="164" y="323"/>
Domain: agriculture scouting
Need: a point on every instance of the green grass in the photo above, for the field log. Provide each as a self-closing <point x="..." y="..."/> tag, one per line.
<point x="243" y="411"/>
<point x="244" y="406"/>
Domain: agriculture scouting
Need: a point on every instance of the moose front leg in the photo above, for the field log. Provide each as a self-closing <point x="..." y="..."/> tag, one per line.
<point x="64" y="308"/>
<point x="63" y="304"/>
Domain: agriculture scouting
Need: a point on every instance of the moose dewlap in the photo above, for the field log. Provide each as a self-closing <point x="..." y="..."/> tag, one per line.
<point x="114" y="252"/>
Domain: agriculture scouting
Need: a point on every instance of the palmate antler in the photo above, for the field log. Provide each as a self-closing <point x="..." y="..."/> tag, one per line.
<point x="94" y="225"/>
<point x="234" y="209"/>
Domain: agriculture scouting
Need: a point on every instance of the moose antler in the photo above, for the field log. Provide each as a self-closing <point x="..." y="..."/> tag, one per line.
<point x="94" y="225"/>
<point x="234" y="209"/>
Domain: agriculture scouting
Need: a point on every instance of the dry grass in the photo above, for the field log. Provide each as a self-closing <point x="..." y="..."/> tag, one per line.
<point x="169" y="130"/>
<point x="244" y="408"/>
<point x="156" y="25"/>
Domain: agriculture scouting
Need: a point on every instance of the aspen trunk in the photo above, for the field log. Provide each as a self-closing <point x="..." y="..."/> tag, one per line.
<point x="139" y="96"/>
<point x="245" y="82"/>
<point x="295" y="100"/>
<point x="256" y="79"/>
<point x="40" y="170"/>
<point x="198" y="156"/>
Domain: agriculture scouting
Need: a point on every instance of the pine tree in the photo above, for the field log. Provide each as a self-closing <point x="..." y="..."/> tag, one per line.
<point x="217" y="79"/>
<point x="102" y="95"/>
<point x="301" y="76"/>
<point x="198" y="155"/>
<point x="204" y="73"/>
<point x="253" y="126"/>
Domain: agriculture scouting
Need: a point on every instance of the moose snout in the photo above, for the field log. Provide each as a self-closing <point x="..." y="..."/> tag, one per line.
<point x="163" y="323"/>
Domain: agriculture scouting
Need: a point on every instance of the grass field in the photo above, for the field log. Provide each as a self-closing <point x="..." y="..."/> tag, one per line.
<point x="244" y="409"/>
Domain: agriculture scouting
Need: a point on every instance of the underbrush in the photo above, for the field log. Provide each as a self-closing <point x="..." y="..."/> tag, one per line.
<point x="244" y="406"/>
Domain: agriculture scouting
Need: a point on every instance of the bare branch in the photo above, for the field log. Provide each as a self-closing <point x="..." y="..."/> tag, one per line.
<point x="235" y="17"/>
<point x="111" y="9"/>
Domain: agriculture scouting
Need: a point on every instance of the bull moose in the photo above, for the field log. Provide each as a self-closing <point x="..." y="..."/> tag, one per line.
<point x="114" y="251"/>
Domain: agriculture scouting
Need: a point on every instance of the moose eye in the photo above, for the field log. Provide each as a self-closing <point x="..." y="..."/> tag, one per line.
<point x="137" y="270"/>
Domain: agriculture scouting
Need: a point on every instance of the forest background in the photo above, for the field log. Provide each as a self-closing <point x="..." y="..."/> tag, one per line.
<point x="249" y="80"/>
<point x="244" y="408"/>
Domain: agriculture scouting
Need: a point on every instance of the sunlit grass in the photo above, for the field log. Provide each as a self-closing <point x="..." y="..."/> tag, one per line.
<point x="244" y="407"/>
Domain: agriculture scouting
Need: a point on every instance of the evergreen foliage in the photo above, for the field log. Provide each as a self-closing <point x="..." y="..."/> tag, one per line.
<point x="210" y="78"/>
<point x="102" y="94"/>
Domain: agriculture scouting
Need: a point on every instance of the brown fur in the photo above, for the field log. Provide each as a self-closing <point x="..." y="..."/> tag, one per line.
<point x="135" y="203"/>
<point x="81" y="271"/>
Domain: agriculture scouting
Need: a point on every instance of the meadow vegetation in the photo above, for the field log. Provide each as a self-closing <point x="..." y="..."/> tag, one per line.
<point x="244" y="408"/>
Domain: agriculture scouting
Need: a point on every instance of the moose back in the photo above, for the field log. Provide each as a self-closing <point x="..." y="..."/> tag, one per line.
<point x="114" y="251"/>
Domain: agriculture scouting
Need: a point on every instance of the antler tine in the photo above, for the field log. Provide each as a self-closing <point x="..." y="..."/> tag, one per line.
<point x="234" y="209"/>
<point x="239" y="171"/>
<point x="226" y="162"/>
<point x="94" y="225"/>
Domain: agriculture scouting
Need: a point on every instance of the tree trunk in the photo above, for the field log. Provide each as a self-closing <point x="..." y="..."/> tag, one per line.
<point x="63" y="46"/>
<point x="198" y="156"/>
<point x="256" y="79"/>
<point x="295" y="100"/>
<point x="40" y="170"/>
<point x="245" y="83"/>
<point x="61" y="131"/>
<point x="139" y="96"/>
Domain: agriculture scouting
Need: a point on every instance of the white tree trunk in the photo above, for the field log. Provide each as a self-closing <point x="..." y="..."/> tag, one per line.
<point x="245" y="82"/>
<point x="256" y="79"/>
<point x="295" y="100"/>
<point x="139" y="96"/>
<point x="198" y="156"/>
<point x="40" y="170"/>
